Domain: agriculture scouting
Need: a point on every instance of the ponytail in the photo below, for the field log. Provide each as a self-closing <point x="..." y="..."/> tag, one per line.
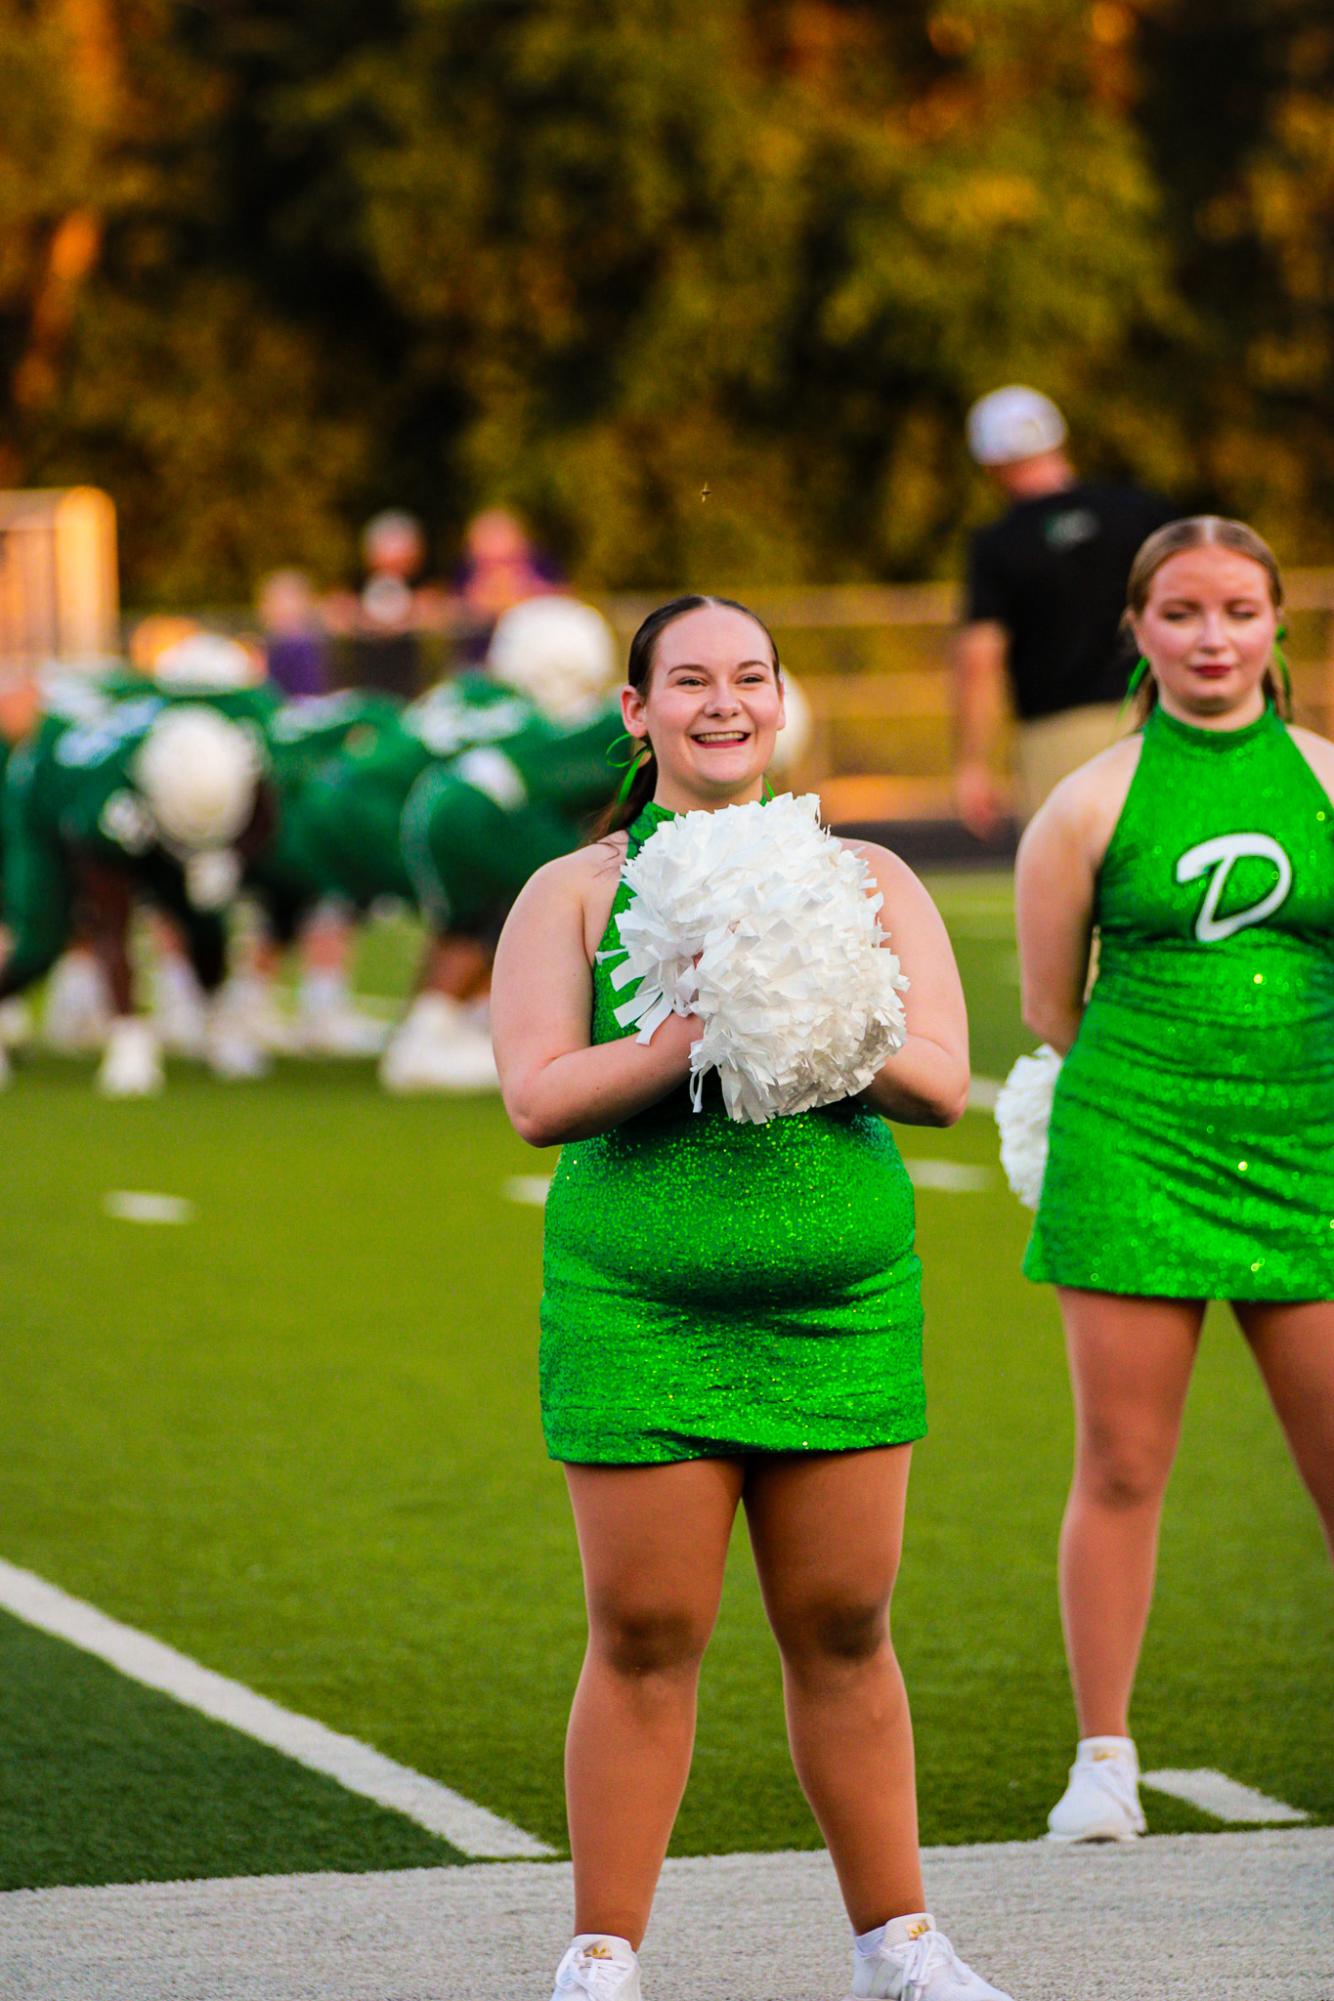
<point x="626" y="808"/>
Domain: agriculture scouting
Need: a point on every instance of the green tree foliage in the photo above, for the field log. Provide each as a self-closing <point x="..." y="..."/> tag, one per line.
<point x="705" y="291"/>
<point x="1237" y="106"/>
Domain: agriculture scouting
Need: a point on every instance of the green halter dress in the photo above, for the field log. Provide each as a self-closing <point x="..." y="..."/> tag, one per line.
<point x="714" y="1289"/>
<point x="1192" y="1133"/>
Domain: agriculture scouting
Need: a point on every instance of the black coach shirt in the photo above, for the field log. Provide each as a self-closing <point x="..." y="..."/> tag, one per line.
<point x="1053" y="572"/>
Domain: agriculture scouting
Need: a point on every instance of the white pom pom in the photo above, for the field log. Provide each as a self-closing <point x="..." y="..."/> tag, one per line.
<point x="761" y="923"/>
<point x="1023" y="1114"/>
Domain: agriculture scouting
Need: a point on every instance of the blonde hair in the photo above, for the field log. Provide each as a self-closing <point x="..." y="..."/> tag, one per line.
<point x="1200" y="531"/>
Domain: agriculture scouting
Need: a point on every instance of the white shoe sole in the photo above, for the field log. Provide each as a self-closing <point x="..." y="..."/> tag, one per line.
<point x="1114" y="1826"/>
<point x="116" y="1083"/>
<point x="1097" y="1808"/>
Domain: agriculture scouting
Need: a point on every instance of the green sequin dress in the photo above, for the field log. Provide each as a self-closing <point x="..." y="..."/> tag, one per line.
<point x="1192" y="1133"/>
<point x="714" y="1289"/>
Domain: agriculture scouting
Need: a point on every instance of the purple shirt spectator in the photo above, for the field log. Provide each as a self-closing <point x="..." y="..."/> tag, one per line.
<point x="295" y="646"/>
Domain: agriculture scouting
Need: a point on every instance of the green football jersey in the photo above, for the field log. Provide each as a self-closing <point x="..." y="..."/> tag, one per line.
<point x="71" y="786"/>
<point x="340" y="836"/>
<point x="345" y="767"/>
<point x="470" y="709"/>
<point x="544" y="763"/>
<point x="339" y="757"/>
<point x="302" y="735"/>
<point x="359" y="811"/>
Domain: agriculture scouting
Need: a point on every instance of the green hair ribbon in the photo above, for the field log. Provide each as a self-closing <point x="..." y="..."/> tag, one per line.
<point x="632" y="761"/>
<point x="1281" y="661"/>
<point x="1134" y="684"/>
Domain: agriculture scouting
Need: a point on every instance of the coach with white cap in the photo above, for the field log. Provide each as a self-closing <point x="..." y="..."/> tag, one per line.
<point x="1045" y="593"/>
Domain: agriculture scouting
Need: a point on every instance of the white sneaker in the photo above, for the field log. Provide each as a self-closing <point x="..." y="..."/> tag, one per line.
<point x="601" y="1966"/>
<point x="179" y="1013"/>
<point x="231" y="1051"/>
<point x="15" y="1023"/>
<point x="1101" y="1802"/>
<point x="340" y="1031"/>
<point x="251" y="1003"/>
<point x="915" y="1962"/>
<point x="132" y="1065"/>
<point x="438" y="1047"/>
<point x="77" y="1017"/>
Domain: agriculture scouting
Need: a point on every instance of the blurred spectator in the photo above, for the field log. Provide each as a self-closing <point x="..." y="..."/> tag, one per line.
<point x="500" y="567"/>
<point x="382" y="624"/>
<point x="1046" y="590"/>
<point x="296" y="650"/>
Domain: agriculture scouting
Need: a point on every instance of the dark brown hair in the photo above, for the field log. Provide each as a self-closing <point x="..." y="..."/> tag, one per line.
<point x="639" y="669"/>
<point x="1200" y="531"/>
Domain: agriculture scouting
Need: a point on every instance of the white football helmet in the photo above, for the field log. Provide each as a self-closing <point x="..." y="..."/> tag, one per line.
<point x="793" y="740"/>
<point x="205" y="660"/>
<point x="561" y="654"/>
<point x="198" y="774"/>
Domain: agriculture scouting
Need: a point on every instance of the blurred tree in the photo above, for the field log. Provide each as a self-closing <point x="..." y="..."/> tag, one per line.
<point x="57" y="83"/>
<point x="1237" y="103"/>
<point x="770" y="251"/>
<point x="182" y="375"/>
<point x="705" y="292"/>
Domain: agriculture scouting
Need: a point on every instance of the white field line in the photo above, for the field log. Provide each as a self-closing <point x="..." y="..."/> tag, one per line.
<point x="956" y="1177"/>
<point x="131" y="1205"/>
<point x="530" y="1188"/>
<point x="982" y="1093"/>
<point x="467" y="1827"/>
<point x="1224" y="1798"/>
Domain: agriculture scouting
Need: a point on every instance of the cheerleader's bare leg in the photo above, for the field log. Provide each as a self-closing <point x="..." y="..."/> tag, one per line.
<point x="653" y="1541"/>
<point x="1130" y="1365"/>
<point x="827" y="1529"/>
<point x="1294" y="1347"/>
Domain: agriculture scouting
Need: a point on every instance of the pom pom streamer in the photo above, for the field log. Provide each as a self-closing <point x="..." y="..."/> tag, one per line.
<point x="764" y="925"/>
<point x="1023" y="1114"/>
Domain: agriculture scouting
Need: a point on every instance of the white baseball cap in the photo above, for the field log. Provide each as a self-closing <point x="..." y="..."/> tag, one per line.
<point x="561" y="654"/>
<point x="1013" y="423"/>
<point x="198" y="773"/>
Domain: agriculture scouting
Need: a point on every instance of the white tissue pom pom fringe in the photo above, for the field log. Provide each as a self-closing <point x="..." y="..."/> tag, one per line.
<point x="764" y="925"/>
<point x="1023" y="1114"/>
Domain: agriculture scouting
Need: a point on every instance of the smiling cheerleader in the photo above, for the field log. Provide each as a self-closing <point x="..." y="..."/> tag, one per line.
<point x="732" y="1312"/>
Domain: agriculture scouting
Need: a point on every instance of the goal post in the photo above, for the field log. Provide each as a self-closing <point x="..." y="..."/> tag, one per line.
<point x="59" y="595"/>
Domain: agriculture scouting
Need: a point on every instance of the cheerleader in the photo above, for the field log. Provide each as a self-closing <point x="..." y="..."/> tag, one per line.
<point x="731" y="1317"/>
<point x="1191" y="1147"/>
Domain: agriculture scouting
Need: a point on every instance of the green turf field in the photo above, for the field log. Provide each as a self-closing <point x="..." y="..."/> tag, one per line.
<point x="297" y="1438"/>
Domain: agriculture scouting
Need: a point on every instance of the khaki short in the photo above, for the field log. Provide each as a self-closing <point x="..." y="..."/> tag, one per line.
<point x="1049" y="749"/>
